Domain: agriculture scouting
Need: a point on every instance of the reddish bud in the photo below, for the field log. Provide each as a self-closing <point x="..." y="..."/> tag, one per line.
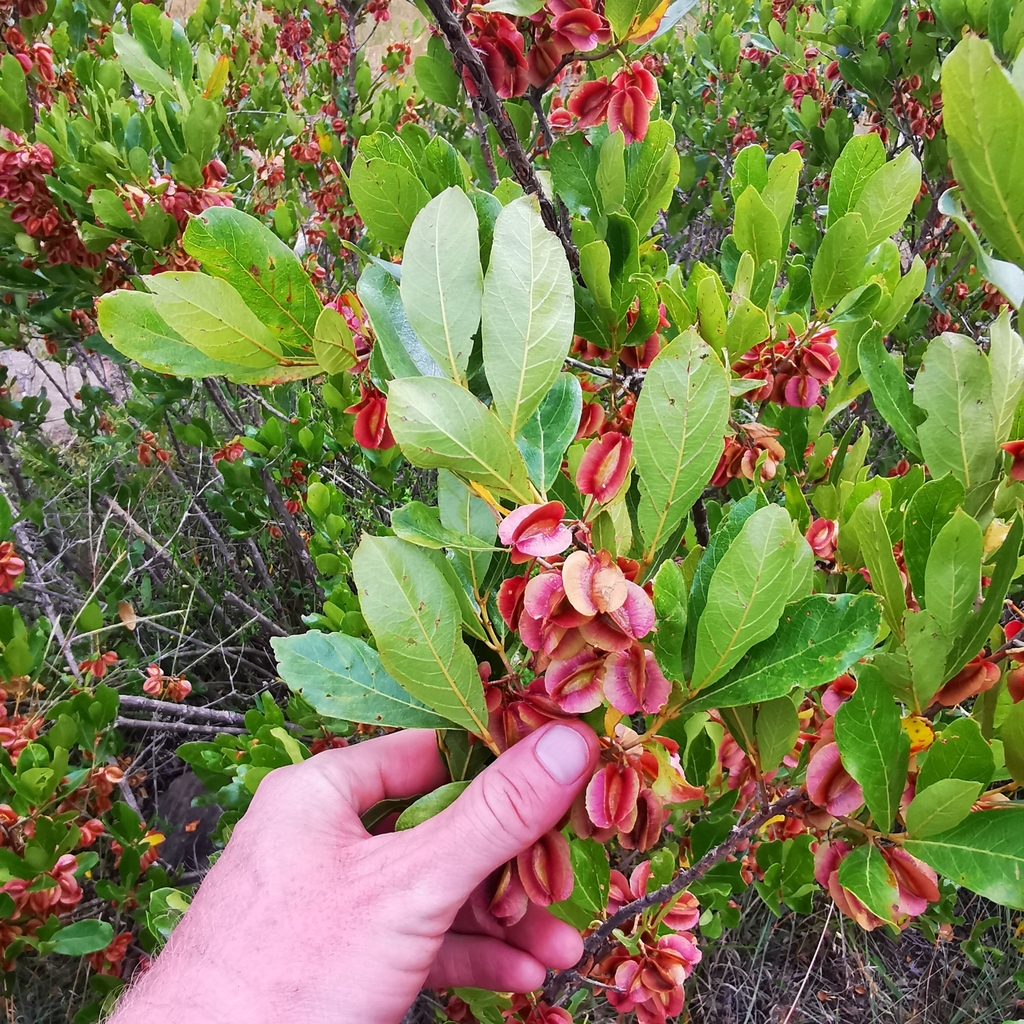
<point x="535" y="531"/>
<point x="545" y="870"/>
<point x="1015" y="449"/>
<point x="977" y="676"/>
<point x="633" y="681"/>
<point x="589" y="102"/>
<point x="822" y="536"/>
<point x="611" y="797"/>
<point x="829" y="784"/>
<point x="575" y="684"/>
<point x="604" y="466"/>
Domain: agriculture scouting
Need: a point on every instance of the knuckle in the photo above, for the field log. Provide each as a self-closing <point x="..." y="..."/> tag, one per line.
<point x="507" y="806"/>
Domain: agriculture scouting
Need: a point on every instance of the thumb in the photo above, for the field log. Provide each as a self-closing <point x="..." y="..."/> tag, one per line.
<point x="510" y="805"/>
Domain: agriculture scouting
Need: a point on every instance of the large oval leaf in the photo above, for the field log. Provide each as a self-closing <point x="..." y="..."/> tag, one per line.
<point x="983" y="115"/>
<point x="388" y="196"/>
<point x="677" y="433"/>
<point x="874" y="747"/>
<point x="442" y="426"/>
<point x="954" y="387"/>
<point x="208" y="313"/>
<point x="340" y="676"/>
<point x="984" y="853"/>
<point x="818" y="639"/>
<point x="747" y="594"/>
<point x="260" y="267"/>
<point x="415" y="618"/>
<point x="442" y="281"/>
<point x="527" y="314"/>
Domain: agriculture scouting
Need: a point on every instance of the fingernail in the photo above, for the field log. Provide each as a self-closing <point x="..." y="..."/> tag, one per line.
<point x="564" y="753"/>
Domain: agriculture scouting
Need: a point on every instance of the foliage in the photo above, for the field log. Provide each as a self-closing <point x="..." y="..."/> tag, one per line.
<point x="689" y="403"/>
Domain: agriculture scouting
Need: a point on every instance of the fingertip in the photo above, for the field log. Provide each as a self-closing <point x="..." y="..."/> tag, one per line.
<point x="553" y="942"/>
<point x="567" y="751"/>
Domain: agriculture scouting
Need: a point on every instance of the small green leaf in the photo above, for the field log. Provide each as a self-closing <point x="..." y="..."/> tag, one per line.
<point x="342" y="677"/>
<point x="421" y="525"/>
<point x="652" y="171"/>
<point x="839" y="263"/>
<point x="574" y="163"/>
<point x="874" y="748"/>
<point x="591" y="875"/>
<point x="889" y="389"/>
<point x="427" y="806"/>
<point x="333" y="345"/>
<point x="417" y="622"/>
<point x="953" y="574"/>
<point x="670" y="604"/>
<point x="777" y="728"/>
<point x="928" y="511"/>
<point x="1011" y="732"/>
<point x="549" y="431"/>
<point x="941" y="806"/>
<point x="864" y="873"/>
<point x="442" y="426"/>
<point x="876" y="547"/>
<point x="747" y="594"/>
<point x="82" y="937"/>
<point x="756" y="229"/>
<point x="889" y="196"/>
<point x="1006" y="359"/>
<point x="388" y="197"/>
<point x="677" y="430"/>
<point x="861" y="157"/>
<point x="958" y="752"/>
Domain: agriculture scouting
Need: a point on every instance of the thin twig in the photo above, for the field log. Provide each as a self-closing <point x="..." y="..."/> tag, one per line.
<point x="810" y="966"/>
<point x="145" y="725"/>
<point x="593" y="948"/>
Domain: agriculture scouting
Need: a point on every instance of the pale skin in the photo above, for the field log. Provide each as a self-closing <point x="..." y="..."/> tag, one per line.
<point x="308" y="917"/>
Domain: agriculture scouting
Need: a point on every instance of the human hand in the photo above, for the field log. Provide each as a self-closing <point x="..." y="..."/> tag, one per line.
<point x="307" y="917"/>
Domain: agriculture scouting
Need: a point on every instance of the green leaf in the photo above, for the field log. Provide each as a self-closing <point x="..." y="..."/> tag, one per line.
<point x="464" y="513"/>
<point x="652" y="170"/>
<point x="864" y="873"/>
<point x="953" y="575"/>
<point x="860" y="158"/>
<point x="888" y="197"/>
<point x="928" y="648"/>
<point x="574" y="164"/>
<point x="442" y="281"/>
<point x="818" y="639"/>
<point x="620" y="14"/>
<point x="777" y="728"/>
<point x="437" y="78"/>
<point x="891" y="311"/>
<point x="15" y="111"/>
<point x="82" y="937"/>
<point x="677" y="433"/>
<point x="889" y="389"/>
<point x="959" y="751"/>
<point x="749" y="170"/>
<point x="333" y="347"/>
<point x="421" y="525"/>
<point x="139" y="66"/>
<point x="756" y="229"/>
<point x="202" y="128"/>
<point x="442" y="426"/>
<point x="983" y="853"/>
<point x="983" y="115"/>
<point x="941" y="806"/>
<point x="416" y="621"/>
<point x="747" y="327"/>
<point x="980" y="623"/>
<point x="839" y="263"/>
<point x="670" y="605"/>
<point x="270" y="278"/>
<point x="747" y="594"/>
<point x="611" y="172"/>
<point x="1011" y="732"/>
<point x="404" y="353"/>
<point x="874" y="748"/>
<point x="549" y="431"/>
<point x="209" y="314"/>
<point x="427" y="806"/>
<point x="342" y="677"/>
<point x="928" y="511"/>
<point x="388" y="196"/>
<point x="876" y="549"/>
<point x="591" y="875"/>
<point x="527" y="314"/>
<point x="1006" y="361"/>
<point x="130" y="322"/>
<point x="779" y="193"/>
